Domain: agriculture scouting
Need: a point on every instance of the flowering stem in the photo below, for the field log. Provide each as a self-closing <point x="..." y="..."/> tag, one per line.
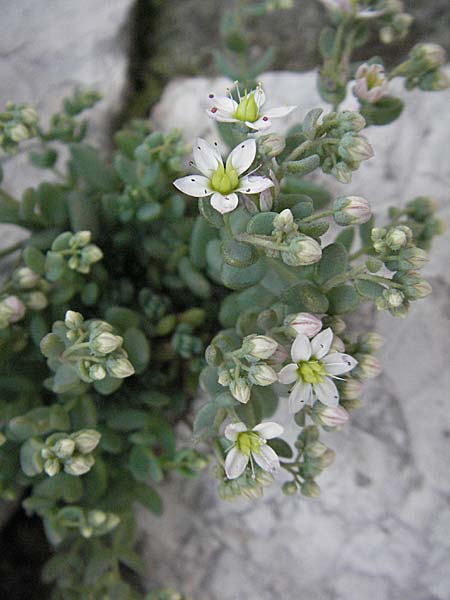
<point x="342" y="278"/>
<point x="74" y="348"/>
<point x="226" y="220"/>
<point x="358" y="253"/>
<point x="317" y="216"/>
<point x="380" y="279"/>
<point x="263" y="241"/>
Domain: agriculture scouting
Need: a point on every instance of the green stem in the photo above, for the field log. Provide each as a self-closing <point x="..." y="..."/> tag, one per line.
<point x="382" y="280"/>
<point x="317" y="216"/>
<point x="229" y="230"/>
<point x="74" y="348"/>
<point x="343" y="277"/>
<point x="263" y="241"/>
<point x="358" y="253"/>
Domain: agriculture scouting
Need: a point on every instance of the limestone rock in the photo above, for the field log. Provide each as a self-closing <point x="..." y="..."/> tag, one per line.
<point x="379" y="529"/>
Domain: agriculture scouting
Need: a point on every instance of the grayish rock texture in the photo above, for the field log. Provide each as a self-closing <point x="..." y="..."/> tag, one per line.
<point x="380" y="529"/>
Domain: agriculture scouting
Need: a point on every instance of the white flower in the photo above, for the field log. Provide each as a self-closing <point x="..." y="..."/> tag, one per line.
<point x="313" y="370"/>
<point x="305" y="323"/>
<point x="223" y="181"/>
<point x="352" y="6"/>
<point x="370" y="82"/>
<point x="249" y="445"/>
<point x="248" y="110"/>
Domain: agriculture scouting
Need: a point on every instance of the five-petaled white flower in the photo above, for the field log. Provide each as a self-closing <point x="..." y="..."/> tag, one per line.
<point x="249" y="445"/>
<point x="248" y="110"/>
<point x="223" y="181"/>
<point x="353" y="6"/>
<point x="314" y="366"/>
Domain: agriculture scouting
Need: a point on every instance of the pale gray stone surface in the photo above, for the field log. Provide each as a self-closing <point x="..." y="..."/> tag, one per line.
<point x="49" y="48"/>
<point x="381" y="528"/>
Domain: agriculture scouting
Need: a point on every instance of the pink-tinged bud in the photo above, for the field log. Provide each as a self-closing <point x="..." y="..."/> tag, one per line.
<point x="351" y="389"/>
<point x="371" y="83"/>
<point x="16" y="307"/>
<point x="279" y="356"/>
<point x="368" y="367"/>
<point x="351" y="210"/>
<point x="337" y="345"/>
<point x="332" y="416"/>
<point x="305" y="323"/>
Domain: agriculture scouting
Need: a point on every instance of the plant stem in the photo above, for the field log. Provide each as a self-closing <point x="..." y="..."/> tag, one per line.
<point x="317" y="216"/>
<point x="343" y="277"/>
<point x="380" y="279"/>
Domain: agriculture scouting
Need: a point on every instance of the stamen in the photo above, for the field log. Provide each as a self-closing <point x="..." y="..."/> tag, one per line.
<point x="265" y="118"/>
<point x="214" y="109"/>
<point x="211" y="96"/>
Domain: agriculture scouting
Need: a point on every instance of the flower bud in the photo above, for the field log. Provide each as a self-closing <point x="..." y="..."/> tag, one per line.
<point x="119" y="367"/>
<point x="310" y="488"/>
<point x="265" y="200"/>
<point x="331" y="416"/>
<point x="224" y="377"/>
<point x="289" y="488"/>
<point x="337" y="344"/>
<point x="105" y="342"/>
<point x="272" y="145"/>
<point x="79" y="464"/>
<point x="355" y="148"/>
<point x="351" y="389"/>
<point x="370" y="342"/>
<point x="429" y="56"/>
<point x="350" y="120"/>
<point x="371" y="83"/>
<point x="262" y="375"/>
<point x="327" y="458"/>
<point x="73" y="320"/>
<point x="398" y="237"/>
<point x="13" y="309"/>
<point x="342" y="172"/>
<point x="26" y="278"/>
<point x="97" y="372"/>
<point x="302" y="251"/>
<point x="240" y="390"/>
<point x="284" y="221"/>
<point x="86" y="440"/>
<point x="18" y="133"/>
<point x="64" y="448"/>
<point x="96" y="518"/>
<point x="29" y="115"/>
<point x="305" y="323"/>
<point x="394" y="297"/>
<point x="412" y="258"/>
<point x="259" y="346"/>
<point x="36" y="301"/>
<point x="279" y="356"/>
<point x="316" y="449"/>
<point x="51" y="467"/>
<point x="351" y="210"/>
<point x="368" y="366"/>
<point x="414" y="286"/>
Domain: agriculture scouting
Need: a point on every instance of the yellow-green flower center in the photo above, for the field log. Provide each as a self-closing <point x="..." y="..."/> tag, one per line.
<point x="311" y="371"/>
<point x="374" y="80"/>
<point x="248" y="442"/>
<point x="225" y="180"/>
<point x="248" y="109"/>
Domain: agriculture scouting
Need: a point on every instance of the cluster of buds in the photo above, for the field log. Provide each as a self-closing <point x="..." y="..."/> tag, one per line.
<point x="249" y="485"/>
<point x="421" y="217"/>
<point x="397" y="250"/>
<point x="351" y="210"/>
<point x="343" y="148"/>
<point x="71" y="252"/>
<point x="396" y="22"/>
<point x="294" y="248"/>
<point x="30" y="289"/>
<point x="313" y="457"/>
<point x="159" y="148"/>
<point x="423" y="68"/>
<point x="90" y="347"/>
<point x="72" y="453"/>
<point x="371" y="83"/>
<point x="248" y="366"/>
<point x="369" y="367"/>
<point x="81" y="100"/>
<point x="89" y="522"/>
<point x="18" y="122"/>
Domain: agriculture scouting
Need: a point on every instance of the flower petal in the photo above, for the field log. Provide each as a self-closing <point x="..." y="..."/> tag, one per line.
<point x="232" y="430"/>
<point x="225" y="104"/>
<point x="194" y="185"/>
<point x="301" y="348"/>
<point x="242" y="156"/>
<point x="320" y="345"/>
<point x="288" y="374"/>
<point x="267" y="459"/>
<point x="235" y="463"/>
<point x="259" y="124"/>
<point x="254" y="184"/>
<point x="206" y="157"/>
<point x="300" y="395"/>
<point x="268" y="429"/>
<point x="221" y="116"/>
<point x="327" y="392"/>
<point x="224" y="204"/>
<point x="260" y="96"/>
<point x="337" y="363"/>
<point x="279" y="112"/>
